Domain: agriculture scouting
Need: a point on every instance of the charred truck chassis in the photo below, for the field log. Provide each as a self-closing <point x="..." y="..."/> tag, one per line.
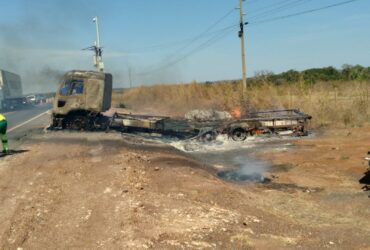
<point x="83" y="96"/>
<point x="266" y="122"/>
<point x="81" y="120"/>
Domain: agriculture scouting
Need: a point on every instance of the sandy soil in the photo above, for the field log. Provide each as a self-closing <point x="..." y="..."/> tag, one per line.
<point x="102" y="191"/>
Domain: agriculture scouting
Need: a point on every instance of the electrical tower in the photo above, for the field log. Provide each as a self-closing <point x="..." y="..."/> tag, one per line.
<point x="98" y="50"/>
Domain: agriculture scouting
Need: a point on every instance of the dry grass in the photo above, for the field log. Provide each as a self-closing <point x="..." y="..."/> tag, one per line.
<point x="334" y="104"/>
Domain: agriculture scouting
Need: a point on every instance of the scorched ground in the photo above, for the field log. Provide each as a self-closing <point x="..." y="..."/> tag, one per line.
<point x="105" y="191"/>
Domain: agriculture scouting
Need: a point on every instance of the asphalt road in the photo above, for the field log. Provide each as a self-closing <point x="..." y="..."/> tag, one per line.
<point x="21" y="122"/>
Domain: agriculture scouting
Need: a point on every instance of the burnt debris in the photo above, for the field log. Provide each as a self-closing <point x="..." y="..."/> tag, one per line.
<point x="365" y="180"/>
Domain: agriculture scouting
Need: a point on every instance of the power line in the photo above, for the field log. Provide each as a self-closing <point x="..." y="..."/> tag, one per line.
<point x="204" y="32"/>
<point x="280" y="8"/>
<point x="206" y="44"/>
<point x="220" y="34"/>
<point x="270" y="7"/>
<point x="196" y="38"/>
<point x="189" y="41"/>
<point x="202" y="46"/>
<point x="302" y="12"/>
<point x="164" y="45"/>
<point x="254" y="1"/>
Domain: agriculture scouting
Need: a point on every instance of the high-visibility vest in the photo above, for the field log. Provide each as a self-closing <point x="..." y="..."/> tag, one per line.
<point x="2" y="117"/>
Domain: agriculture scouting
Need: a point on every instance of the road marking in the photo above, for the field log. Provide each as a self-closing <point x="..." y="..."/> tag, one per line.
<point x="28" y="121"/>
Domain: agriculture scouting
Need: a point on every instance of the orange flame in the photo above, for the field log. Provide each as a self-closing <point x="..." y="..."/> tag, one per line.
<point x="236" y="112"/>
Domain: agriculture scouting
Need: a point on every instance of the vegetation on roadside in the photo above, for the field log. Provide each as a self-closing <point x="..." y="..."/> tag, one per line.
<point x="333" y="97"/>
<point x="311" y="76"/>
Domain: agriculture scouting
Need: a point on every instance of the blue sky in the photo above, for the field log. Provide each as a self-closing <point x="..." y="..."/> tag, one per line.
<point x="153" y="38"/>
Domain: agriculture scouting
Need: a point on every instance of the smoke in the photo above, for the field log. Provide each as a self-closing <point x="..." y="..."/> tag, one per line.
<point x="250" y="166"/>
<point x="41" y="39"/>
<point x="39" y="42"/>
<point x="44" y="79"/>
<point x="247" y="170"/>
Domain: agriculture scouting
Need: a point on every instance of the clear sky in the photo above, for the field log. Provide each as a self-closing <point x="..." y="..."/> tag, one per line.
<point x="165" y="40"/>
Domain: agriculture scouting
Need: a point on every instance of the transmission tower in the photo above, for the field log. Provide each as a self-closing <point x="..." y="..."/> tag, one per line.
<point x="98" y="50"/>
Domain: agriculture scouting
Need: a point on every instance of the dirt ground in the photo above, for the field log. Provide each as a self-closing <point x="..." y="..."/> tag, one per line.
<point x="104" y="191"/>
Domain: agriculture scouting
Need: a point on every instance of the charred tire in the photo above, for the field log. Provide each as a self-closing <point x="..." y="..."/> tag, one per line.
<point x="56" y="123"/>
<point x="102" y="123"/>
<point x="79" y="122"/>
<point x="239" y="134"/>
<point x="208" y="136"/>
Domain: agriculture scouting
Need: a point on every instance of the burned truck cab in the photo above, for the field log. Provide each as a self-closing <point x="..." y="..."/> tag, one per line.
<point x="80" y="99"/>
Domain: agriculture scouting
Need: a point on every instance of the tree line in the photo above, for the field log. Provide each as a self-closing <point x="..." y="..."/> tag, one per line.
<point x="311" y="76"/>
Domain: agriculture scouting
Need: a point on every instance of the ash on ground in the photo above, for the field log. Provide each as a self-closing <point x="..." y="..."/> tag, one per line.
<point x="207" y="115"/>
<point x="233" y="161"/>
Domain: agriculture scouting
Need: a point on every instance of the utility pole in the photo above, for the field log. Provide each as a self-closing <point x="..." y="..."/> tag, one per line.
<point x="98" y="59"/>
<point x="241" y="35"/>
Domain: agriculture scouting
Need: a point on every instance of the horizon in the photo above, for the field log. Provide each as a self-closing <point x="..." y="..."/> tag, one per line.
<point x="42" y="39"/>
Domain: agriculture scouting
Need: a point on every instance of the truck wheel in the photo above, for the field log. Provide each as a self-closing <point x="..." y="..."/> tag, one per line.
<point x="80" y="123"/>
<point x="209" y="136"/>
<point x="55" y="123"/>
<point x="101" y="123"/>
<point x="239" y="134"/>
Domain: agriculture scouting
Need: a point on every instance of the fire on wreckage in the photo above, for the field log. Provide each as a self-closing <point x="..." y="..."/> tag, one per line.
<point x="83" y="97"/>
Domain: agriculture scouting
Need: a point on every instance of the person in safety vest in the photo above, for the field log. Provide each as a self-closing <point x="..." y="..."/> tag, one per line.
<point x="3" y="136"/>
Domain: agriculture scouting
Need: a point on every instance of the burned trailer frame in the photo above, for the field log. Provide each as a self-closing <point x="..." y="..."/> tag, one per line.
<point x="153" y="124"/>
<point x="271" y="122"/>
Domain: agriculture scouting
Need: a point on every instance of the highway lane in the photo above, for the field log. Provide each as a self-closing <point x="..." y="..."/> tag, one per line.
<point x="21" y="122"/>
<point x="18" y="117"/>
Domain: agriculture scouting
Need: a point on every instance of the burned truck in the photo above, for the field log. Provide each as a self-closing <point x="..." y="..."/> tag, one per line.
<point x="84" y="96"/>
<point x="80" y="100"/>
